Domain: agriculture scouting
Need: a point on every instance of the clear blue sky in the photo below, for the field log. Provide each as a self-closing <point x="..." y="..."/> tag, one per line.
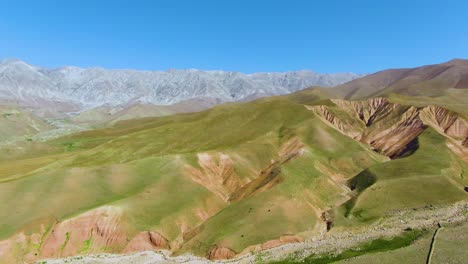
<point x="238" y="35"/>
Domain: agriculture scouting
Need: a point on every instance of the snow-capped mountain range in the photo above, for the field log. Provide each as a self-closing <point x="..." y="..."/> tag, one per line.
<point x="24" y="84"/>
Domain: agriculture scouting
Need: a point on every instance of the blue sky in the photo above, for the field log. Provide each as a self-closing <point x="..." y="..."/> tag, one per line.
<point x="237" y="35"/>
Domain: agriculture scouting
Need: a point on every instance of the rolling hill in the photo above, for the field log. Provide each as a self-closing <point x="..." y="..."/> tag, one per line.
<point x="240" y="177"/>
<point x="431" y="80"/>
<point x="17" y="123"/>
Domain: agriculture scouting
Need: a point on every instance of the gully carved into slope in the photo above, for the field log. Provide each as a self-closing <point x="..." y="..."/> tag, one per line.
<point x="217" y="174"/>
<point x="387" y="127"/>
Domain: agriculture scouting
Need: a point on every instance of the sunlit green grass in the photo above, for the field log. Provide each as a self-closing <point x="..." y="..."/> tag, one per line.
<point x="141" y="166"/>
<point x="374" y="246"/>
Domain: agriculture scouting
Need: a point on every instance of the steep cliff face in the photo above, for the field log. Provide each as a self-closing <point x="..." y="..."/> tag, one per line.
<point x="387" y="127"/>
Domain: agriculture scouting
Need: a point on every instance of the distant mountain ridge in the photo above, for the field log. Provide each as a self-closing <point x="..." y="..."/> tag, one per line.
<point x="23" y="84"/>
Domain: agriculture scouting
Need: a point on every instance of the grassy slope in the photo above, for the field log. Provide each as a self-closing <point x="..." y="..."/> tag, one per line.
<point x="138" y="164"/>
<point x="374" y="247"/>
<point x="432" y="175"/>
<point x="18" y="124"/>
<point x="430" y="80"/>
<point x="151" y="154"/>
<point x="452" y="99"/>
<point x="451" y="247"/>
<point x="409" y="247"/>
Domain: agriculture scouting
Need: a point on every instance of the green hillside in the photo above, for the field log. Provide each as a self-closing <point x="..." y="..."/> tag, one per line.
<point x="232" y="177"/>
<point x="18" y="124"/>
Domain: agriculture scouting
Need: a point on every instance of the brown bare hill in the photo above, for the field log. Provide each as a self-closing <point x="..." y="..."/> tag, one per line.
<point x="430" y="80"/>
